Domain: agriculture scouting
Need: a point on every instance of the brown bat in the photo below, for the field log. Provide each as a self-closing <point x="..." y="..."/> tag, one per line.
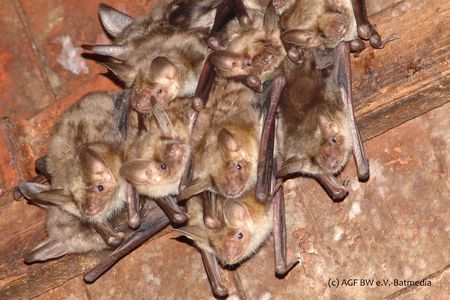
<point x="156" y="159"/>
<point x="157" y="61"/>
<point x="245" y="225"/>
<point x="84" y="157"/>
<point x="66" y="233"/>
<point x="326" y="23"/>
<point x="201" y="13"/>
<point x="226" y="138"/>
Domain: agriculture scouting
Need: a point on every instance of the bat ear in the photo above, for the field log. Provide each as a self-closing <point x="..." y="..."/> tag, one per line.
<point x="270" y="20"/>
<point x="123" y="71"/>
<point x="291" y="166"/>
<point x="93" y="166"/>
<point x="300" y="37"/>
<point x="54" y="196"/>
<point x="326" y="123"/>
<point x="113" y="20"/>
<point x="135" y="170"/>
<point x="49" y="250"/>
<point x="225" y="60"/>
<point x="163" y="68"/>
<point x="194" y="232"/>
<point x="227" y="142"/>
<point x="116" y="51"/>
<point x="236" y="214"/>
<point x="174" y="152"/>
<point x="30" y="189"/>
<point x="196" y="187"/>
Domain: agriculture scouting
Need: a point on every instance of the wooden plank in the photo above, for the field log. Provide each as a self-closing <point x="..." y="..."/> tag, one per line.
<point x="410" y="76"/>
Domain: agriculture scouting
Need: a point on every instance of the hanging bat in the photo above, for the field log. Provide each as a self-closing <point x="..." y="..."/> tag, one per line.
<point x="201" y="13"/>
<point x="66" y="234"/>
<point x="156" y="159"/>
<point x="157" y="61"/>
<point x="227" y="135"/>
<point x="326" y="23"/>
<point x="84" y="157"/>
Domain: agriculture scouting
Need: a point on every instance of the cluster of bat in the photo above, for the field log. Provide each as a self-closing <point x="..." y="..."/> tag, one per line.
<point x="222" y="100"/>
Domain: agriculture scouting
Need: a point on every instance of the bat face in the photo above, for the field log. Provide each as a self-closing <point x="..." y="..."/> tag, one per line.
<point x="159" y="174"/>
<point x="236" y="164"/>
<point x="245" y="226"/>
<point x="312" y="24"/>
<point x="99" y="187"/>
<point x="255" y="50"/>
<point x="161" y="83"/>
<point x="333" y="151"/>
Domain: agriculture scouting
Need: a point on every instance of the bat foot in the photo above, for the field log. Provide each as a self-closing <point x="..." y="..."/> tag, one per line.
<point x="198" y="104"/>
<point x="179" y="218"/>
<point x="356" y="46"/>
<point x="282" y="270"/>
<point x="211" y="222"/>
<point x="245" y="20"/>
<point x="115" y="241"/>
<point x="377" y="43"/>
<point x="219" y="291"/>
<point x="134" y="222"/>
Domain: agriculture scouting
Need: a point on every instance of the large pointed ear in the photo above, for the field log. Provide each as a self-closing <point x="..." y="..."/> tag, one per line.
<point x="135" y="171"/>
<point x="49" y="250"/>
<point x="113" y="20"/>
<point x="326" y="123"/>
<point x="236" y="214"/>
<point x="301" y="38"/>
<point x="270" y="20"/>
<point x="93" y="166"/>
<point x="194" y="232"/>
<point x="225" y="60"/>
<point x="227" y="142"/>
<point x="54" y="196"/>
<point x="161" y="67"/>
<point x="30" y="189"/>
<point x="194" y="188"/>
<point x="123" y="71"/>
<point x="116" y="51"/>
<point x="291" y="166"/>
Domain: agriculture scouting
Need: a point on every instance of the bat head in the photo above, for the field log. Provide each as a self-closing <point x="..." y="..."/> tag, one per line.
<point x="245" y="224"/>
<point x="237" y="162"/>
<point x="158" y="172"/>
<point x="160" y="82"/>
<point x="99" y="172"/>
<point x="335" y="142"/>
<point x="254" y="50"/>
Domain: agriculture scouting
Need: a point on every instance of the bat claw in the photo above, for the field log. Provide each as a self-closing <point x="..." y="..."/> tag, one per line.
<point x="283" y="269"/>
<point x="134" y="222"/>
<point x="115" y="241"/>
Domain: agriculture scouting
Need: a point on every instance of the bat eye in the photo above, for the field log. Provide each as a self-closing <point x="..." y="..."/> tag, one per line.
<point x="333" y="141"/>
<point x="100" y="188"/>
<point x="159" y="91"/>
<point x="248" y="62"/>
<point x="163" y="166"/>
<point x="238" y="166"/>
<point x="240" y="236"/>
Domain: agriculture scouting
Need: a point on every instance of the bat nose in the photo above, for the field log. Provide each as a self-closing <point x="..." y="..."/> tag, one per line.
<point x="91" y="209"/>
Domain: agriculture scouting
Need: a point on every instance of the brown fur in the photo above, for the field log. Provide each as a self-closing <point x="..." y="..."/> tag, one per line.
<point x="87" y="128"/>
<point x="246" y="224"/>
<point x="323" y="22"/>
<point x="155" y="162"/>
<point x="233" y="109"/>
<point x="314" y="120"/>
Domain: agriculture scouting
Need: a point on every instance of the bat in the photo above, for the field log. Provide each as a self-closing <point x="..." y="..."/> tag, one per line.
<point x="326" y="23"/>
<point x="84" y="157"/>
<point x="155" y="160"/>
<point x="227" y="134"/>
<point x="318" y="137"/>
<point x="156" y="61"/>
<point x="201" y="13"/>
<point x="153" y="220"/>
